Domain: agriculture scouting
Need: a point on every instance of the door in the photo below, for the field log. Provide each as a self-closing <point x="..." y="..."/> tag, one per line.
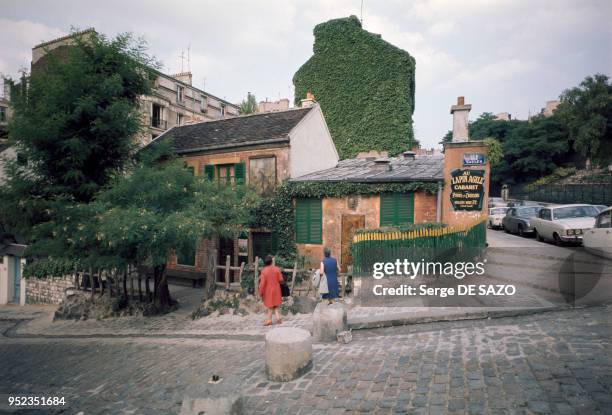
<point x="16" y="280"/>
<point x="349" y="224"/>
<point x="226" y="247"/>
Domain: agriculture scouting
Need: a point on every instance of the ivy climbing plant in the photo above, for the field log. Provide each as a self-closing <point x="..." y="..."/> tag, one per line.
<point x="276" y="213"/>
<point x="365" y="87"/>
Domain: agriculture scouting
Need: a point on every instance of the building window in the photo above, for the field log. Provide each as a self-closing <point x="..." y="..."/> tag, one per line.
<point x="157" y="116"/>
<point x="225" y="173"/>
<point x="203" y="103"/>
<point x="223" y="110"/>
<point x="309" y="221"/>
<point x="2" y="114"/>
<point x="396" y="209"/>
<point x="179" y="119"/>
<point x="180" y="93"/>
<point x="262" y="174"/>
<point x="186" y="256"/>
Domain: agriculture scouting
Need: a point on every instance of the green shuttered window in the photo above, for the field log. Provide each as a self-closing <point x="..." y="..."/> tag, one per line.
<point x="239" y="173"/>
<point x="309" y="221"/>
<point x="209" y="171"/>
<point x="396" y="208"/>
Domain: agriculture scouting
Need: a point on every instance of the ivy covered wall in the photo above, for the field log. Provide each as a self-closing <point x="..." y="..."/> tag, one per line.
<point x="365" y="87"/>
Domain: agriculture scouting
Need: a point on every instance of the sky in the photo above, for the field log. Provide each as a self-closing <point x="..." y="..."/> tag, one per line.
<point x="503" y="56"/>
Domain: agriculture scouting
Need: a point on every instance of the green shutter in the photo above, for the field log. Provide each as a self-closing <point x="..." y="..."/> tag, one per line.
<point x="209" y="171"/>
<point x="308" y="221"/>
<point x="396" y="209"/>
<point x="239" y="173"/>
<point x="191" y="170"/>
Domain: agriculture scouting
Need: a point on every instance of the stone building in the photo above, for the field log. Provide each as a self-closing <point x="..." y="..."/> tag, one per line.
<point x="261" y="149"/>
<point x="174" y="101"/>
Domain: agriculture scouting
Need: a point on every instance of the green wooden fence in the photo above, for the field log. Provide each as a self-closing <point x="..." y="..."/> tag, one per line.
<point x="428" y="244"/>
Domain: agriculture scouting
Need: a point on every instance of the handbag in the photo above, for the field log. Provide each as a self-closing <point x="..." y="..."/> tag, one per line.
<point x="285" y="291"/>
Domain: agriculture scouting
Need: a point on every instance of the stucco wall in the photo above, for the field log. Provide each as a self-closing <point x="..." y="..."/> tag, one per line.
<point x="312" y="148"/>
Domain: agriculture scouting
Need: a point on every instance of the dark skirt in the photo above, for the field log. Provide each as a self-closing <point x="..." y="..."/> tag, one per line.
<point x="332" y="286"/>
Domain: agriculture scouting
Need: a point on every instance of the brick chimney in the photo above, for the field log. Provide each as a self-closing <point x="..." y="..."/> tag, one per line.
<point x="309" y="101"/>
<point x="460" y="114"/>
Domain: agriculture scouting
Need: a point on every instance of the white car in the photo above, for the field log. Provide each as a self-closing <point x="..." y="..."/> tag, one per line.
<point x="564" y="223"/>
<point x="599" y="239"/>
<point x="496" y="215"/>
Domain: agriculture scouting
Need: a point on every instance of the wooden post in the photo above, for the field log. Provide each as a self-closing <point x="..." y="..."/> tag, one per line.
<point x="293" y="277"/>
<point x="343" y="284"/>
<point x="240" y="272"/>
<point x="91" y="282"/>
<point x="273" y="261"/>
<point x="210" y="284"/>
<point x="309" y="286"/>
<point x="227" y="272"/>
<point x="256" y="277"/>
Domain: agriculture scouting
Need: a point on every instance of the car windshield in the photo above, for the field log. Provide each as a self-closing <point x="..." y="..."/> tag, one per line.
<point x="528" y="212"/>
<point x="574" y="212"/>
<point x="498" y="211"/>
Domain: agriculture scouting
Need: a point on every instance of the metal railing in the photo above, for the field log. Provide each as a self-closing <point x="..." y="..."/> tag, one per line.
<point x="591" y="193"/>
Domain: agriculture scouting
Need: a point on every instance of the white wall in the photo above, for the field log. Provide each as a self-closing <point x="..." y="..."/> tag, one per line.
<point x="4" y="280"/>
<point x="312" y="148"/>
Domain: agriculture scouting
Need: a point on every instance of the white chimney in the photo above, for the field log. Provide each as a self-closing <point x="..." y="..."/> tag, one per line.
<point x="460" y="114"/>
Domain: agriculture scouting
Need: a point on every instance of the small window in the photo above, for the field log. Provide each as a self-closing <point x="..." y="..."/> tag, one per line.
<point x="396" y="209"/>
<point x="180" y="93"/>
<point x="223" y="110"/>
<point x="264" y="243"/>
<point x="203" y="103"/>
<point x="179" y="119"/>
<point x="225" y="173"/>
<point x="157" y="116"/>
<point x="309" y="221"/>
<point x="545" y="214"/>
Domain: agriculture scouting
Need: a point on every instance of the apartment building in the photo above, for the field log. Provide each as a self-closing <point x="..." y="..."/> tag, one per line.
<point x="174" y="101"/>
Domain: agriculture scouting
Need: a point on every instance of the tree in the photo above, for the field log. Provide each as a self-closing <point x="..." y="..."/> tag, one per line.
<point x="586" y="111"/>
<point x="248" y="105"/>
<point x="496" y="151"/>
<point x="145" y="217"/>
<point x="74" y="126"/>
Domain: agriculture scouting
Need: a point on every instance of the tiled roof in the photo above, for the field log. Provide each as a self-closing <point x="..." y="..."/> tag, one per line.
<point x="234" y="132"/>
<point x="368" y="170"/>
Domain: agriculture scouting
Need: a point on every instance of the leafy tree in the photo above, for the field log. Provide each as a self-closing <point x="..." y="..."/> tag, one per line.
<point x="248" y="105"/>
<point x="156" y="210"/>
<point x="586" y="110"/>
<point x="74" y="126"/>
<point x="496" y="151"/>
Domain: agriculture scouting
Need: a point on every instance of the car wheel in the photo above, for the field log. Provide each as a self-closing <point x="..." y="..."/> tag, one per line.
<point x="521" y="232"/>
<point x="557" y="239"/>
<point x="538" y="236"/>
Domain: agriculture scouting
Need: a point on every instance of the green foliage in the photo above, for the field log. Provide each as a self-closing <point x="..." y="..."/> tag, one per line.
<point x="277" y="212"/>
<point x="74" y="125"/>
<point x="365" y="87"/>
<point x="558" y="174"/>
<point x="586" y="110"/>
<point x="496" y="151"/>
<point x="248" y="105"/>
<point x="224" y="302"/>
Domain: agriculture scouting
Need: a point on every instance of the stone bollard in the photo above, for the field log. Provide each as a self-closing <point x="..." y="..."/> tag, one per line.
<point x="288" y="353"/>
<point x="327" y="321"/>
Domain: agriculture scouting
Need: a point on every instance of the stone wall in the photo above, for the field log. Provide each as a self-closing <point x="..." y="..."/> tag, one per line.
<point x="47" y="290"/>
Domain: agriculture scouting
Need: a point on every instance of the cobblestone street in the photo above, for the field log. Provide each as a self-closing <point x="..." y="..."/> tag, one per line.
<point x="556" y="362"/>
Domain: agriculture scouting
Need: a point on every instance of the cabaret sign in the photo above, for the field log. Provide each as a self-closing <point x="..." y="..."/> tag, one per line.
<point x="467" y="189"/>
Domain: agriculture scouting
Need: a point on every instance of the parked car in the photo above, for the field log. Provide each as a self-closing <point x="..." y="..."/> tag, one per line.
<point x="600" y="208"/>
<point x="518" y="219"/>
<point x="599" y="239"/>
<point x="497" y="202"/>
<point x="563" y="223"/>
<point x="496" y="215"/>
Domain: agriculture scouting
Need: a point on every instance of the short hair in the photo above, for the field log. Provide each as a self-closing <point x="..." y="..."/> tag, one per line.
<point x="326" y="252"/>
<point x="268" y="260"/>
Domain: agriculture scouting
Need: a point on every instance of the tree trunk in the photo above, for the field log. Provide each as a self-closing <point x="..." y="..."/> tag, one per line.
<point x="91" y="282"/>
<point x="162" y="292"/>
<point x="209" y="283"/>
<point x="125" y="291"/>
<point x="139" y="286"/>
<point x="148" y="290"/>
<point x="131" y="281"/>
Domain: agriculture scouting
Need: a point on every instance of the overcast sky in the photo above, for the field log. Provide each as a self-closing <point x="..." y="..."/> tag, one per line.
<point x="503" y="56"/>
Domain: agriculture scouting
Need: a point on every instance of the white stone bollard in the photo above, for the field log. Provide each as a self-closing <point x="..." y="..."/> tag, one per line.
<point x="327" y="321"/>
<point x="288" y="353"/>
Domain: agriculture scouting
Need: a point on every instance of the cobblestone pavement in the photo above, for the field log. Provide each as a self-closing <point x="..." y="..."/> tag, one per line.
<point x="557" y="362"/>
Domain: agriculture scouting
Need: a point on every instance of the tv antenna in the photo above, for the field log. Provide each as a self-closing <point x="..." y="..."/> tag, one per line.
<point x="182" y="60"/>
<point x="189" y="57"/>
<point x="362" y="12"/>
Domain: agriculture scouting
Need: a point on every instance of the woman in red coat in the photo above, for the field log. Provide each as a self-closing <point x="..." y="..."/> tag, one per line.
<point x="270" y="290"/>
